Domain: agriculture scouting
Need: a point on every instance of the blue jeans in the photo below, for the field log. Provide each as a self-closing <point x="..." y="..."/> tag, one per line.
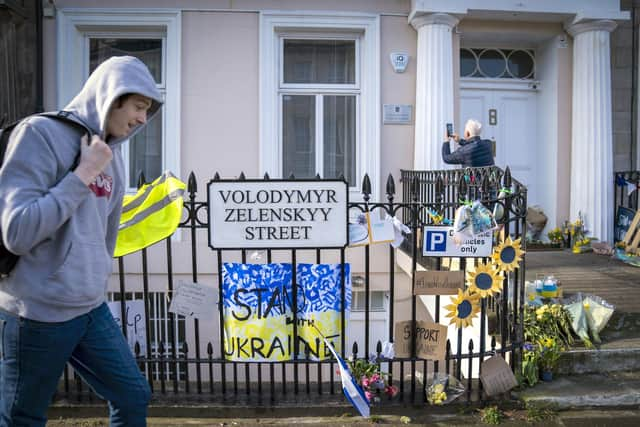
<point x="33" y="356"/>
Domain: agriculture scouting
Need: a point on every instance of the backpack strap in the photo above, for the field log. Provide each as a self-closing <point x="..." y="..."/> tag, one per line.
<point x="68" y="117"/>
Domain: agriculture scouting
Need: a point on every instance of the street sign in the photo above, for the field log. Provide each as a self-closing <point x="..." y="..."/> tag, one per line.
<point x="277" y="214"/>
<point x="438" y="241"/>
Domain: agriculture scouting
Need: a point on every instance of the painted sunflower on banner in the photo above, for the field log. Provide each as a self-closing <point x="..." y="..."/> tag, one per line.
<point x="486" y="280"/>
<point x="463" y="310"/>
<point x="508" y="254"/>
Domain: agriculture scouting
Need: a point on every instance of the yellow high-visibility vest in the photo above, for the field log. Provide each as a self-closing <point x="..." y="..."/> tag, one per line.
<point x="150" y="215"/>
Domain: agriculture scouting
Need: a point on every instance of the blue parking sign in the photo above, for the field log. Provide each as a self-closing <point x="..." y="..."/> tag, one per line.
<point x="436" y="240"/>
<point x="439" y="242"/>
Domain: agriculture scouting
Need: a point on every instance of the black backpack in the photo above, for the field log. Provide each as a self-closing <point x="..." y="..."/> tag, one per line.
<point x="8" y="260"/>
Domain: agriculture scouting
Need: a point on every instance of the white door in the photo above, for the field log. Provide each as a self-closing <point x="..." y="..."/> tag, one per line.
<point x="509" y="118"/>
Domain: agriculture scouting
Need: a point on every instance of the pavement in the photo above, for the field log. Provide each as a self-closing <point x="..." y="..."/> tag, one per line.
<point x="422" y="416"/>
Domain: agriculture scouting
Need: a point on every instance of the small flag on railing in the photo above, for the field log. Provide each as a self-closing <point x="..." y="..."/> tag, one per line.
<point x="350" y="387"/>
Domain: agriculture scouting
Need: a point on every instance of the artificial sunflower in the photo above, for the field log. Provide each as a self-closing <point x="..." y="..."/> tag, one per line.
<point x="463" y="310"/>
<point x="508" y="254"/>
<point x="485" y="280"/>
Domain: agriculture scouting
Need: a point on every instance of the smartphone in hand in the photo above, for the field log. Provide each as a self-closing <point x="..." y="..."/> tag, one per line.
<point x="449" y="130"/>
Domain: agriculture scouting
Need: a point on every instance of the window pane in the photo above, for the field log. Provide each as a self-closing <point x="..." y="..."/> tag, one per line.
<point x="145" y="152"/>
<point x="521" y="64"/>
<point x="298" y="135"/>
<point x="340" y="137"/>
<point x="492" y="63"/>
<point x="467" y="63"/>
<point x="148" y="51"/>
<point x="320" y="61"/>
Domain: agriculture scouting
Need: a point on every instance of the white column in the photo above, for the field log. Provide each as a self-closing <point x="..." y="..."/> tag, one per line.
<point x="591" y="132"/>
<point x="434" y="87"/>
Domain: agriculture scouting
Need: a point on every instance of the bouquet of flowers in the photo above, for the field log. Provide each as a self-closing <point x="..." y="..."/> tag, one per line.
<point x="372" y="380"/>
<point x="443" y="388"/>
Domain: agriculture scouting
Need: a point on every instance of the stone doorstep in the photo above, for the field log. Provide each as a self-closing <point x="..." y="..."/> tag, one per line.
<point x="613" y="390"/>
<point x="604" y="360"/>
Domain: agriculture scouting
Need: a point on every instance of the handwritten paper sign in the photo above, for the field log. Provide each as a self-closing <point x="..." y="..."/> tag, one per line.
<point x="431" y="339"/>
<point x="438" y="282"/>
<point x="136" y="328"/>
<point x="193" y="300"/>
<point x="370" y="229"/>
<point x="496" y="376"/>
<point x="277" y="214"/>
<point x="258" y="305"/>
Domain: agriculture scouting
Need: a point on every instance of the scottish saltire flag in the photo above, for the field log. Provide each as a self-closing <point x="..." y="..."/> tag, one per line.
<point x="351" y="389"/>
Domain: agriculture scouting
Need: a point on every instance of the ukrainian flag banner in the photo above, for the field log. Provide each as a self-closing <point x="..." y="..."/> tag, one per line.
<point x="258" y="310"/>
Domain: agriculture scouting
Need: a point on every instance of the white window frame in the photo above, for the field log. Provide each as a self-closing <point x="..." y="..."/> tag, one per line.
<point x="275" y="24"/>
<point x="76" y="26"/>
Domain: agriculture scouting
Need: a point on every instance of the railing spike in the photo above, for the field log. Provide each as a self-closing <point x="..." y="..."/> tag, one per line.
<point x="391" y="186"/>
<point x="462" y="186"/>
<point x="291" y="175"/>
<point x="318" y="176"/>
<point x="506" y="179"/>
<point x="366" y="186"/>
<point x="354" y="349"/>
<point x="216" y="177"/>
<point x="209" y="349"/>
<point x="192" y="184"/>
<point x="266" y="176"/>
<point x="242" y="177"/>
<point x="141" y="179"/>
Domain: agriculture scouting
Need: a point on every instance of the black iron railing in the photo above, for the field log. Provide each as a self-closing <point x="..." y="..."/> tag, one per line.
<point x="185" y="363"/>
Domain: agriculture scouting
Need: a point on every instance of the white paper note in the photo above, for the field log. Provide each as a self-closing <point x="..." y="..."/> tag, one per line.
<point x="195" y="300"/>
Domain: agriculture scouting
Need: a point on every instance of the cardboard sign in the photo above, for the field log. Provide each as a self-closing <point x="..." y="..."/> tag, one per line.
<point x="438" y="241"/>
<point x="496" y="376"/>
<point x="438" y="282"/>
<point x="193" y="300"/>
<point x="136" y="328"/>
<point x="431" y="339"/>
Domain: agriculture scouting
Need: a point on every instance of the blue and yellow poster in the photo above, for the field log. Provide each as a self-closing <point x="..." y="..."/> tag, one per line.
<point x="258" y="310"/>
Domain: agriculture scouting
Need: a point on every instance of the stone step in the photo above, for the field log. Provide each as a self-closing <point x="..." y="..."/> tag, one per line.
<point x="611" y="390"/>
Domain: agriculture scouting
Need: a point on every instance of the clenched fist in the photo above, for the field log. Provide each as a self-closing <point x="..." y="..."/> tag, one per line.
<point x="94" y="158"/>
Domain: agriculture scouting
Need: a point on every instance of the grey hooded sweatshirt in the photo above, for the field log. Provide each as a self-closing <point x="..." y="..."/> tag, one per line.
<point x="63" y="230"/>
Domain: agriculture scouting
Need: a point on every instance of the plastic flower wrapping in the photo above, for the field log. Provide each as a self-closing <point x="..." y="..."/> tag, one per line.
<point x="443" y="388"/>
<point x="462" y="222"/>
<point x="481" y="219"/>
<point x="579" y="323"/>
<point x="598" y="312"/>
<point x="498" y="208"/>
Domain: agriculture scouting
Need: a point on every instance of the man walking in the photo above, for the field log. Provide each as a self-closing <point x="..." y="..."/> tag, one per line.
<point x="62" y="220"/>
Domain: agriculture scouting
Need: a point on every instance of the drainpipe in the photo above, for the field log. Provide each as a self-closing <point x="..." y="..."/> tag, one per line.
<point x="39" y="58"/>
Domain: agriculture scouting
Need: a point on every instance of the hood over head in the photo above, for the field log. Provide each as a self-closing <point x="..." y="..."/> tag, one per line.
<point x="117" y="76"/>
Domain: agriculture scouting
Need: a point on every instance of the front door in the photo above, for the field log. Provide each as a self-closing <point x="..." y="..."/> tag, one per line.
<point x="508" y="117"/>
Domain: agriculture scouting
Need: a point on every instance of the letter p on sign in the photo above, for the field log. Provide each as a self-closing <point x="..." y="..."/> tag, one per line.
<point x="437" y="241"/>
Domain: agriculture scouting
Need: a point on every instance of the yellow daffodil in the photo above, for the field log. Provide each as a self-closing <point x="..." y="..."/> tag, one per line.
<point x="463" y="309"/>
<point x="508" y="254"/>
<point x="485" y="280"/>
